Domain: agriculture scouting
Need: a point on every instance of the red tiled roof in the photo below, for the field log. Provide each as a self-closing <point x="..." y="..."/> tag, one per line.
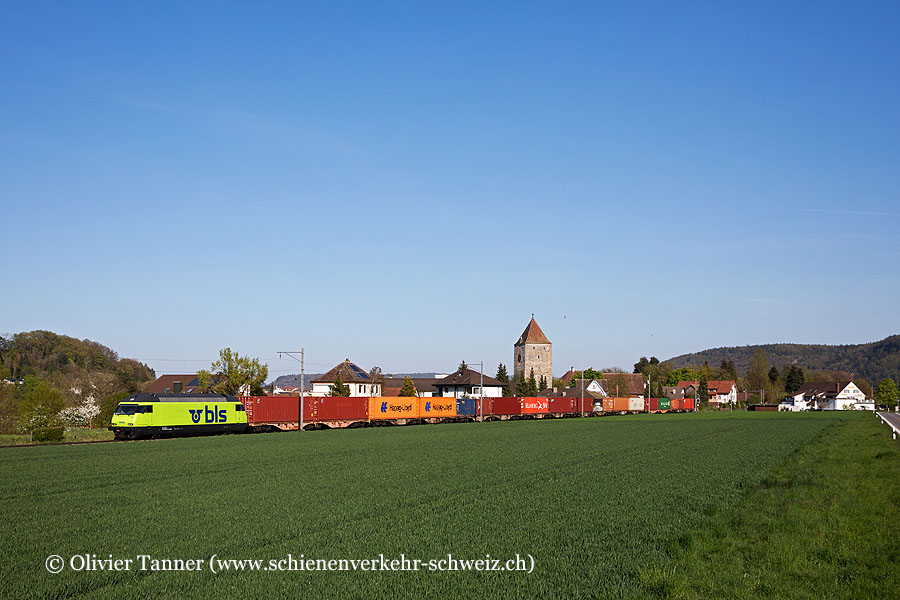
<point x="533" y="334"/>
<point x="714" y="387"/>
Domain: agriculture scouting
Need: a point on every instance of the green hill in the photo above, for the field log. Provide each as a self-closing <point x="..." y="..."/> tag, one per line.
<point x="874" y="361"/>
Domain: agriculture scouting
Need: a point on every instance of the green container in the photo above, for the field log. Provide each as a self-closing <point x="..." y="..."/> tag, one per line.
<point x="665" y="404"/>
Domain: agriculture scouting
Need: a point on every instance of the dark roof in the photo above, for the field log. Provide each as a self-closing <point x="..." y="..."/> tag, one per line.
<point x="829" y="389"/>
<point x="467" y="377"/>
<point x="714" y="386"/>
<point x="350" y="373"/>
<point x="574" y="392"/>
<point x="423" y="384"/>
<point x="635" y="382"/>
<point x="532" y="334"/>
<point x="565" y="379"/>
<point x="146" y="397"/>
<point x="166" y="383"/>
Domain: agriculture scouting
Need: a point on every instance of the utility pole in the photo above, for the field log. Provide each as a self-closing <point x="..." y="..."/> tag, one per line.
<point x="481" y="391"/>
<point x="302" y="354"/>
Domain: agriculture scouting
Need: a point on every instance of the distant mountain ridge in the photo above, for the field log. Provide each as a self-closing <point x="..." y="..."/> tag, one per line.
<point x="874" y="361"/>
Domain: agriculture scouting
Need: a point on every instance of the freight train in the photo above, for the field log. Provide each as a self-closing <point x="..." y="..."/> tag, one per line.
<point x="155" y="415"/>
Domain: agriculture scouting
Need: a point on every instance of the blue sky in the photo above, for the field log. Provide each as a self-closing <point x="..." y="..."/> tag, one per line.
<point x="404" y="184"/>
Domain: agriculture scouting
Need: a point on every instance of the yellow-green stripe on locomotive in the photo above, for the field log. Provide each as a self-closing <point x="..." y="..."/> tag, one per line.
<point x="150" y="415"/>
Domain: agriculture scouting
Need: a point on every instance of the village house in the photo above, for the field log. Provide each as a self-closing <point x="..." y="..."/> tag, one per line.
<point x="467" y="383"/>
<point x="828" y="395"/>
<point x="359" y="382"/>
<point x="720" y="392"/>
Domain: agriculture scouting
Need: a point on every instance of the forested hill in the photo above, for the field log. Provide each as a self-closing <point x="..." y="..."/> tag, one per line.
<point x="65" y="361"/>
<point x="874" y="361"/>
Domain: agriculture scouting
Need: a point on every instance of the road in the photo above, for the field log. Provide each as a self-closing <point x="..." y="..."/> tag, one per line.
<point x="893" y="420"/>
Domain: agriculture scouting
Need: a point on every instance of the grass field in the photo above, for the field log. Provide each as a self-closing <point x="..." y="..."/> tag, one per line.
<point x="633" y="507"/>
<point x="72" y="434"/>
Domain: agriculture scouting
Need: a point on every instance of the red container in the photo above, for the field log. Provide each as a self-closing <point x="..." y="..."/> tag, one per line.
<point x="276" y="410"/>
<point x="560" y="406"/>
<point x="507" y="406"/>
<point x="677" y="403"/>
<point x="342" y="409"/>
<point x="535" y="405"/>
<point x="651" y="404"/>
<point x="484" y="407"/>
<point x="688" y="404"/>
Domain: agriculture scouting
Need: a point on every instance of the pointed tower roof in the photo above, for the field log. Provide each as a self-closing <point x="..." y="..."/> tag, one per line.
<point x="533" y="334"/>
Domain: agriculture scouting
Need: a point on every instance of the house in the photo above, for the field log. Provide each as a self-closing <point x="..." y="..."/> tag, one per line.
<point x="613" y="384"/>
<point x="359" y="382"/>
<point x="467" y="383"/>
<point x="720" y="392"/>
<point x="424" y="386"/>
<point x="830" y="395"/>
<point x="174" y="384"/>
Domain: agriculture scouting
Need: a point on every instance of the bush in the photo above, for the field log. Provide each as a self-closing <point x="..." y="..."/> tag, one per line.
<point x="48" y="434"/>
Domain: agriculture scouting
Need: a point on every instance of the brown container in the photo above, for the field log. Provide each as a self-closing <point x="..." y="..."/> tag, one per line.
<point x="620" y="404"/>
<point x="651" y="404"/>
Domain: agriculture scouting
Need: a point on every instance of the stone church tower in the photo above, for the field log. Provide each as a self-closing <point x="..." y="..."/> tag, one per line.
<point x="533" y="351"/>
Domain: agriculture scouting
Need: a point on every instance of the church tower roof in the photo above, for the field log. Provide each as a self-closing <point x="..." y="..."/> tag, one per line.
<point x="533" y="334"/>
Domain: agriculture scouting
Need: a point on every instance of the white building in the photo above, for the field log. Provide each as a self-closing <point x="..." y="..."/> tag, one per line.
<point x="467" y="382"/>
<point x="359" y="382"/>
<point x="830" y="395"/>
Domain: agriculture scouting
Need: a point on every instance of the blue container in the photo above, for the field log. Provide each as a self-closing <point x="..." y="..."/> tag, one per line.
<point x="466" y="407"/>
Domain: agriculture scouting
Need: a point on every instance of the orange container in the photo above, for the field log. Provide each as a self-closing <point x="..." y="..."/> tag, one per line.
<point x="620" y="404"/>
<point x="393" y="408"/>
<point x="430" y="408"/>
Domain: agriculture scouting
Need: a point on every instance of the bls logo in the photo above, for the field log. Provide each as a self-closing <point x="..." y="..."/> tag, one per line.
<point x="384" y="407"/>
<point x="427" y="406"/>
<point x="216" y="415"/>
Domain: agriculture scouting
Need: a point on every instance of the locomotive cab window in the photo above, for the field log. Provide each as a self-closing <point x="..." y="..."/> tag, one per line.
<point x="239" y="407"/>
<point x="127" y="409"/>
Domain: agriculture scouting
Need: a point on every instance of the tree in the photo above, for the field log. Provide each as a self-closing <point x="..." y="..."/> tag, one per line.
<point x="503" y="377"/>
<point x="375" y="377"/>
<point x="727" y="371"/>
<point x="618" y="384"/>
<point x="520" y="386"/>
<point x="794" y="379"/>
<point x="339" y="388"/>
<point x="532" y="385"/>
<point x="234" y="374"/>
<point x="40" y="404"/>
<point x="643" y="364"/>
<point x="108" y="408"/>
<point x="542" y="384"/>
<point x="689" y="373"/>
<point x="462" y="366"/>
<point x="886" y="393"/>
<point x="773" y="375"/>
<point x="587" y="374"/>
<point x="703" y="391"/>
<point x="758" y="372"/>
<point x="409" y="388"/>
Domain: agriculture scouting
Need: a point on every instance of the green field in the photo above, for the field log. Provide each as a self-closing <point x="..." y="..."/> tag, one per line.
<point x="642" y="506"/>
